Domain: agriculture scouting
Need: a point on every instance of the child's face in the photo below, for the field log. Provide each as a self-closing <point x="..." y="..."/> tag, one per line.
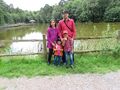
<point x="65" y="35"/>
<point x="59" y="42"/>
<point x="53" y="23"/>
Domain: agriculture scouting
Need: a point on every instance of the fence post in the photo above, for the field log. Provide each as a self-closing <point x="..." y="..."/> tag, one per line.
<point x="118" y="36"/>
<point x="44" y="46"/>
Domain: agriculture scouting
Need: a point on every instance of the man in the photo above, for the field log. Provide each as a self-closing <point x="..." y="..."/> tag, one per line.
<point x="67" y="24"/>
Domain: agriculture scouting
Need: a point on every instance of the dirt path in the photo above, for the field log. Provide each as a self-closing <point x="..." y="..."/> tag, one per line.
<point x="110" y="81"/>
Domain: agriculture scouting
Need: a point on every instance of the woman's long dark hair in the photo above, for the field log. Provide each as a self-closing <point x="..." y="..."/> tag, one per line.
<point x="50" y="23"/>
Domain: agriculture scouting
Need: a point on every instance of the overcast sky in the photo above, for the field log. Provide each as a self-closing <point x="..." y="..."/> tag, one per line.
<point x="31" y="5"/>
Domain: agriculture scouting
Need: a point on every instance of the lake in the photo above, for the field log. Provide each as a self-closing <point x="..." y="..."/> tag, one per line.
<point x="36" y="31"/>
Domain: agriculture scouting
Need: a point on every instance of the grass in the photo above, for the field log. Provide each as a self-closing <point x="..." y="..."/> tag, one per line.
<point x="2" y="88"/>
<point x="31" y="66"/>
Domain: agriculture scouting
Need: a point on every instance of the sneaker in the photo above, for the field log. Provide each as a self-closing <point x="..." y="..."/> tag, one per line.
<point x="48" y="63"/>
<point x="58" y="65"/>
<point x="67" y="66"/>
<point x="64" y="64"/>
<point x="71" y="66"/>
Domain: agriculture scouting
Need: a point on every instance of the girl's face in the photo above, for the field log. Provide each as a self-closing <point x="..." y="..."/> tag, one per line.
<point x="59" y="42"/>
<point x="52" y="23"/>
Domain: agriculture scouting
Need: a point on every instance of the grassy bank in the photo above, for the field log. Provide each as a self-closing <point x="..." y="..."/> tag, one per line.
<point x="37" y="66"/>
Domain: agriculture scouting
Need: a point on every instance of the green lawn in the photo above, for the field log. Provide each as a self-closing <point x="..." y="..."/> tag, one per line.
<point x="36" y="66"/>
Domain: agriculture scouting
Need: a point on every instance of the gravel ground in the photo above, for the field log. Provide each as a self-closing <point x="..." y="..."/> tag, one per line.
<point x="109" y="81"/>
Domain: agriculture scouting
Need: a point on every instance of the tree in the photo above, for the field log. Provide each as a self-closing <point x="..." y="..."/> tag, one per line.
<point x="112" y="12"/>
<point x="80" y="11"/>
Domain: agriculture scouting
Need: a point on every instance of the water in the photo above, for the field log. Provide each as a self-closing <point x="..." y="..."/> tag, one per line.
<point x="36" y="31"/>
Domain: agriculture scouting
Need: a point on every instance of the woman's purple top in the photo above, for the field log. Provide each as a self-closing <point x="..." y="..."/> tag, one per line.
<point x="52" y="35"/>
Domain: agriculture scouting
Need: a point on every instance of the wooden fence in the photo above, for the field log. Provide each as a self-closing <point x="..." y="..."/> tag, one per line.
<point x="81" y="45"/>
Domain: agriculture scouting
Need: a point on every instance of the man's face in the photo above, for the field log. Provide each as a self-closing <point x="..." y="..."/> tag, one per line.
<point x="65" y="15"/>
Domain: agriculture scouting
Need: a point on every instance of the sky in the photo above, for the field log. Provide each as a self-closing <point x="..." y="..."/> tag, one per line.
<point x="31" y="5"/>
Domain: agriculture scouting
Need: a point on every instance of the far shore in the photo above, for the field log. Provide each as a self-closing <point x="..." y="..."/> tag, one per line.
<point x="15" y="25"/>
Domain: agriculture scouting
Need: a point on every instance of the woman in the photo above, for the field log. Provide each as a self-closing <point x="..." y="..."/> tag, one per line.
<point x="52" y="35"/>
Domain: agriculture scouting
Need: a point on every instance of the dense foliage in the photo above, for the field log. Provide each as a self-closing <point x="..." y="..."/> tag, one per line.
<point x="80" y="10"/>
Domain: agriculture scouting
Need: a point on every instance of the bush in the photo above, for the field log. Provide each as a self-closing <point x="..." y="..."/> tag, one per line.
<point x="113" y="14"/>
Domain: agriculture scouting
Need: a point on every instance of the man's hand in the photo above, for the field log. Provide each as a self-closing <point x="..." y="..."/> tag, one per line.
<point x="62" y="39"/>
<point x="65" y="39"/>
<point x="72" y="39"/>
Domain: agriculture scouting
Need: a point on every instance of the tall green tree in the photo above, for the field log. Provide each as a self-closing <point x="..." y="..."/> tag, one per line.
<point x="80" y="11"/>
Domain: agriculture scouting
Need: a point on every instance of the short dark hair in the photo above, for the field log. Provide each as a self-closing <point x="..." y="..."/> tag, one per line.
<point x="65" y="12"/>
<point x="51" y="21"/>
<point x="58" y="39"/>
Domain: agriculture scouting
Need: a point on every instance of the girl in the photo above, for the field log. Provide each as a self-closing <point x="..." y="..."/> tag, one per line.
<point x="52" y="35"/>
<point x="58" y="52"/>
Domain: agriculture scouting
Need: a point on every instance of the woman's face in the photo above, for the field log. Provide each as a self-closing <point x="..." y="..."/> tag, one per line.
<point x="52" y="23"/>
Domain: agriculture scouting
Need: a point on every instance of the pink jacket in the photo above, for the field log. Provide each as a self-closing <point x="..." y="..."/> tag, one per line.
<point x="58" y="50"/>
<point x="71" y="25"/>
<point x="68" y="45"/>
<point x="52" y="35"/>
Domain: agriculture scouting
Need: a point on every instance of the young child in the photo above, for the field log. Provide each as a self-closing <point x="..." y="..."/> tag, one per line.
<point x="58" y="52"/>
<point x="52" y="35"/>
<point x="68" y="48"/>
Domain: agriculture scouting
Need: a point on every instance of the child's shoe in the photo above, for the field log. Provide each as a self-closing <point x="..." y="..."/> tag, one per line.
<point x="48" y="63"/>
<point x="71" y="66"/>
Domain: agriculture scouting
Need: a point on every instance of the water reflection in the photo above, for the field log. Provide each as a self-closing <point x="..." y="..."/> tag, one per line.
<point x="30" y="36"/>
<point x="25" y="47"/>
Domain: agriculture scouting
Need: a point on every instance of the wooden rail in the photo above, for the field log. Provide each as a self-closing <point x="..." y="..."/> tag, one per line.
<point x="32" y="40"/>
<point x="99" y="37"/>
<point x="26" y="54"/>
<point x="45" y="48"/>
